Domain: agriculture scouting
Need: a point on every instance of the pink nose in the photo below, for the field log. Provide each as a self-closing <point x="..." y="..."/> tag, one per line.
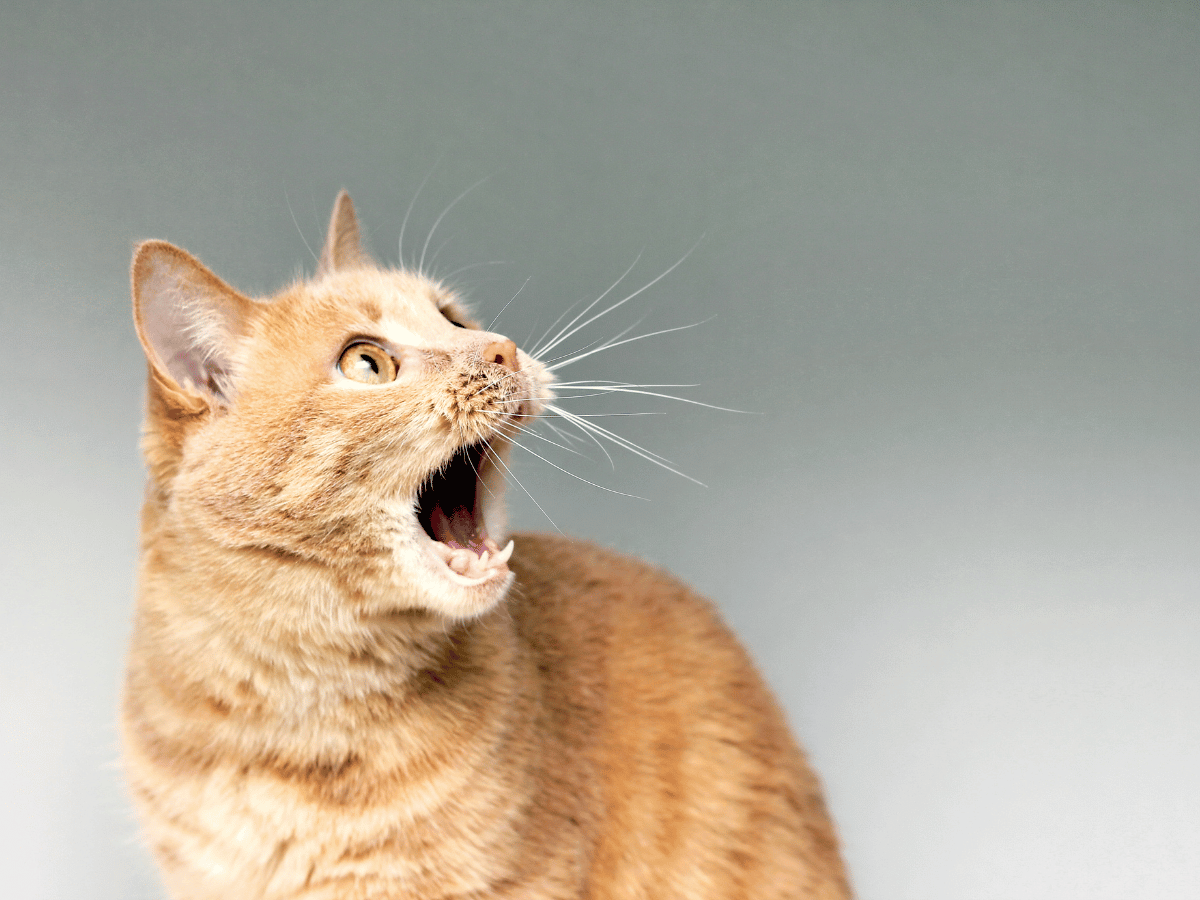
<point x="503" y="353"/>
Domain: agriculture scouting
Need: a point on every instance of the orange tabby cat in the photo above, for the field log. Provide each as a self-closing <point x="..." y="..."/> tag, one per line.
<point x="340" y="684"/>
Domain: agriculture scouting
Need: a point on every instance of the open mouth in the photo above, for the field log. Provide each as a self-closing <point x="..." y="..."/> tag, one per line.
<point x="450" y="509"/>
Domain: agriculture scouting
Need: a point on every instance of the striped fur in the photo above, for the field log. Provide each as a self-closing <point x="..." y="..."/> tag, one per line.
<point x="314" y="710"/>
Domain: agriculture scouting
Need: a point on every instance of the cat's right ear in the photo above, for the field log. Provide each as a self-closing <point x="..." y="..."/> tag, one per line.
<point x="188" y="321"/>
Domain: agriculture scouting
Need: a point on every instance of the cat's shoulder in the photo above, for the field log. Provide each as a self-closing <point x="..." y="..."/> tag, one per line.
<point x="569" y="567"/>
<point x="583" y="585"/>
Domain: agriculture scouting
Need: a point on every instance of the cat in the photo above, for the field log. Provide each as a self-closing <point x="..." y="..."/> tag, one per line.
<point x="342" y="685"/>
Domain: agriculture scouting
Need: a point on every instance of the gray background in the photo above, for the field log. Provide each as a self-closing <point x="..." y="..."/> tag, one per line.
<point x="952" y="251"/>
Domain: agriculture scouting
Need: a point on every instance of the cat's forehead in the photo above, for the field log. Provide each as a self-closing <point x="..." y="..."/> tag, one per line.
<point x="399" y="305"/>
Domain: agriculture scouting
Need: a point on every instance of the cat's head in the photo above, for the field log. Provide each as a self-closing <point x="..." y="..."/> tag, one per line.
<point x="356" y="423"/>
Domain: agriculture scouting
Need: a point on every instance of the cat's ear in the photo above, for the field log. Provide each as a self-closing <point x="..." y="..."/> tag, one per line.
<point x="343" y="247"/>
<point x="188" y="320"/>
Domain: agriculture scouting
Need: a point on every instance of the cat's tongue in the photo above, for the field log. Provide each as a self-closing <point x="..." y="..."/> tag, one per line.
<point x="459" y="529"/>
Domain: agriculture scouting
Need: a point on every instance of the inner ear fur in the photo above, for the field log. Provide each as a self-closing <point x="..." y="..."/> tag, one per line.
<point x="343" y="244"/>
<point x="188" y="321"/>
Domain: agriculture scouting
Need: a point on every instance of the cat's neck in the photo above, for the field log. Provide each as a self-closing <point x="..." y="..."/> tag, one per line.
<point x="405" y="716"/>
<point x="240" y="621"/>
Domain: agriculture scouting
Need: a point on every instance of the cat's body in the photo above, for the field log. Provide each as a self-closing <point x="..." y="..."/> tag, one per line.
<point x="340" y="687"/>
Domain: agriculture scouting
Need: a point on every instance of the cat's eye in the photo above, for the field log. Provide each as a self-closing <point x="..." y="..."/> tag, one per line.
<point x="367" y="363"/>
<point x="450" y="316"/>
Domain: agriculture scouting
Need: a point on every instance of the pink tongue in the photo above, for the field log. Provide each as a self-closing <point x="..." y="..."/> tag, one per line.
<point x="458" y="530"/>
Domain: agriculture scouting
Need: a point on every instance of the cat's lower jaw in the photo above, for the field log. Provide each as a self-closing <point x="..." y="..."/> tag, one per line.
<point x="421" y="577"/>
<point x="467" y="568"/>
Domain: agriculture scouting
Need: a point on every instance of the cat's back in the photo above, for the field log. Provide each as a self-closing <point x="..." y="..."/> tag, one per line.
<point x="699" y="781"/>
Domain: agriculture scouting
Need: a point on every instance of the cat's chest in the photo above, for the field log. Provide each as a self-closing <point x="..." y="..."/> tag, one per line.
<point x="237" y="832"/>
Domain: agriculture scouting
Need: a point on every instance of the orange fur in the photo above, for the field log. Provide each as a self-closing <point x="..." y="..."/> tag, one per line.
<point x="317" y="705"/>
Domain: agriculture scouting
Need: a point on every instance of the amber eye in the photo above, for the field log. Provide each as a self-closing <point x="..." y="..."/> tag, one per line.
<point x="367" y="363"/>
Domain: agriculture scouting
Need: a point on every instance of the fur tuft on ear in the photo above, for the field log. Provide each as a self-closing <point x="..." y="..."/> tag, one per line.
<point x="188" y="320"/>
<point x="343" y="246"/>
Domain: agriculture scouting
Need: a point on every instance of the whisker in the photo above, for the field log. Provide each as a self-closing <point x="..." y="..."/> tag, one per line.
<point x="505" y="306"/>
<point x="625" y="390"/>
<point x="573" y="475"/>
<point x="496" y="457"/>
<point x="510" y="431"/>
<point x="529" y="337"/>
<point x="560" y="337"/>
<point x="599" y="393"/>
<point x="565" y="312"/>
<point x="542" y="437"/>
<point x="545" y="362"/>
<point x="478" y="479"/>
<point x="630" y="446"/>
<point x="627" y="299"/>
<point x="565" y="435"/>
<point x="607" y="415"/>
<point x="620" y="334"/>
<point x="593" y="439"/>
<point x="288" y="201"/>
<point x="604" y="432"/>
<point x="618" y="343"/>
<point x="438" y="220"/>
<point x="412" y="202"/>
<point x="600" y="382"/>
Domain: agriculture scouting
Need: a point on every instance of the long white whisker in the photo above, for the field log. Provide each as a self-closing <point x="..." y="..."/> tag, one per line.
<point x="618" y="343"/>
<point x="412" y="202"/>
<point x="568" y="418"/>
<point x="632" y="447"/>
<point x="561" y="336"/>
<point x="617" y="336"/>
<point x="610" y="435"/>
<point x="505" y="306"/>
<point x="496" y="457"/>
<point x="438" y="221"/>
<point x="625" y="390"/>
<point x="288" y="201"/>
<point x="599" y="393"/>
<point x="627" y="299"/>
<point x="573" y="475"/>
<point x="478" y="478"/>
<point x="546" y="362"/>
<point x="601" y="382"/>
<point x="565" y="312"/>
<point x="611" y="462"/>
<point x="516" y="430"/>
<point x="645" y="454"/>
<point x="565" y="435"/>
<point x="606" y="415"/>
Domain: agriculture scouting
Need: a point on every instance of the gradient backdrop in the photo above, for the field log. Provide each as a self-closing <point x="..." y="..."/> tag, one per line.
<point x="950" y="255"/>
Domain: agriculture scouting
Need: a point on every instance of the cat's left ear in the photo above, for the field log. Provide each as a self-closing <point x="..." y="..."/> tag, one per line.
<point x="343" y="246"/>
<point x="188" y="320"/>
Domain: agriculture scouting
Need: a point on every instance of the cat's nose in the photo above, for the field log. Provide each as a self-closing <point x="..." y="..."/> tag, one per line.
<point x="503" y="353"/>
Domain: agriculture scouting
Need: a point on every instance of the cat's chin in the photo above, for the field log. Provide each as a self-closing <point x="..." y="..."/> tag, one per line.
<point x="456" y="596"/>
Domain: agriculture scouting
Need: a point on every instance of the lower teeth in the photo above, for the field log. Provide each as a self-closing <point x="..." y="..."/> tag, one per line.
<point x="465" y="562"/>
<point x="460" y="562"/>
